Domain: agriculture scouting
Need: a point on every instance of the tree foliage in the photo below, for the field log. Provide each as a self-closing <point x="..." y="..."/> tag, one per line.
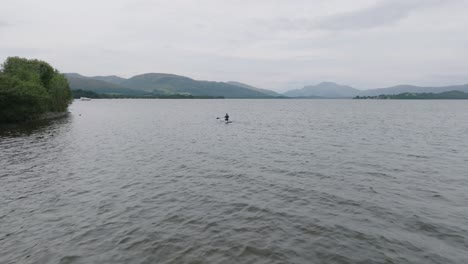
<point x="29" y="88"/>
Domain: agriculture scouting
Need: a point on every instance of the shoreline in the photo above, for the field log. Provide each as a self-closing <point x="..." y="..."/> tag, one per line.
<point x="48" y="116"/>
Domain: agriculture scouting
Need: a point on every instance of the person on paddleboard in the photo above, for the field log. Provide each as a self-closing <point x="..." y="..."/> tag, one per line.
<point x="226" y="117"/>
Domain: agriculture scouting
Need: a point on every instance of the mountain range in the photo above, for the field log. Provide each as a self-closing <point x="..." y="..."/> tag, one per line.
<point x="414" y="89"/>
<point x="171" y="84"/>
<point x="164" y="84"/>
<point x="324" y="90"/>
<point x="333" y="90"/>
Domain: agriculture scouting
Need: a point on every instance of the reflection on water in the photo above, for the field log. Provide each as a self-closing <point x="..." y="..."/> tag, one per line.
<point x="289" y="181"/>
<point x="34" y="127"/>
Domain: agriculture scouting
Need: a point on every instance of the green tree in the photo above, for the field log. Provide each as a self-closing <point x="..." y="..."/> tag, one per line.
<point x="59" y="92"/>
<point x="29" y="88"/>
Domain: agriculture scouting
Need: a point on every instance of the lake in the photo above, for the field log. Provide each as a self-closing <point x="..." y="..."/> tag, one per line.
<point x="289" y="181"/>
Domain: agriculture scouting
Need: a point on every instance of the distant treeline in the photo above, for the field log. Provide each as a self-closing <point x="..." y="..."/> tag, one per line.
<point x="30" y="88"/>
<point x="420" y="96"/>
<point x="90" y="94"/>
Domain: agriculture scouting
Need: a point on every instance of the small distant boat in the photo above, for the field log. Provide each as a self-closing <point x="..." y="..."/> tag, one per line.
<point x="85" y="99"/>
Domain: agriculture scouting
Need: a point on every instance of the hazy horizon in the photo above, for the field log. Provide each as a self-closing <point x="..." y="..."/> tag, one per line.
<point x="298" y="88"/>
<point x="268" y="44"/>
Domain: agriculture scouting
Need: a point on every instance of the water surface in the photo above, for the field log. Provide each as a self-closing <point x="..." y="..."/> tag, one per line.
<point x="289" y="181"/>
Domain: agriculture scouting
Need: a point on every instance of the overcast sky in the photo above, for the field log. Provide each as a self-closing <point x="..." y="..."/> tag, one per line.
<point x="275" y="44"/>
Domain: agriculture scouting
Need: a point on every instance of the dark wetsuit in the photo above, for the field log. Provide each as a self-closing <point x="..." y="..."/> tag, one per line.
<point x="226" y="117"/>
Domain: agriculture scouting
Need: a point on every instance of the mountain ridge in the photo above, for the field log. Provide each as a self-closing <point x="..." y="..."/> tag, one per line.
<point x="165" y="84"/>
<point x="172" y="84"/>
<point x="325" y="90"/>
<point x="405" y="88"/>
<point x="80" y="82"/>
<point x="110" y="78"/>
<point x="266" y="91"/>
<point x="333" y="90"/>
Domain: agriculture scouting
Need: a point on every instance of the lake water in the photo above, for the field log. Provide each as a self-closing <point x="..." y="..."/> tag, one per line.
<point x="289" y="181"/>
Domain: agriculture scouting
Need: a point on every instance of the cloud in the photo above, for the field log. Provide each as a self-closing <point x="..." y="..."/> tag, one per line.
<point x="384" y="13"/>
<point x="381" y="14"/>
<point x="269" y="43"/>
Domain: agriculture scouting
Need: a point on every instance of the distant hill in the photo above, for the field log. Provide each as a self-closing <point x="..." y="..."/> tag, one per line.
<point x="456" y="95"/>
<point x="399" y="89"/>
<point x="333" y="90"/>
<point x="324" y="90"/>
<point x="265" y="91"/>
<point x="79" y="82"/>
<point x="75" y="75"/>
<point x="170" y="84"/>
<point x="164" y="84"/>
<point x="110" y="79"/>
<point x="161" y="83"/>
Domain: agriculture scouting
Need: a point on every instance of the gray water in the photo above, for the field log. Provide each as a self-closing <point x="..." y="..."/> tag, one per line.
<point x="289" y="181"/>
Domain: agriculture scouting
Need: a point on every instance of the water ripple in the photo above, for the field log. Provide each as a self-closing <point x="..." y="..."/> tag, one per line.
<point x="289" y="181"/>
